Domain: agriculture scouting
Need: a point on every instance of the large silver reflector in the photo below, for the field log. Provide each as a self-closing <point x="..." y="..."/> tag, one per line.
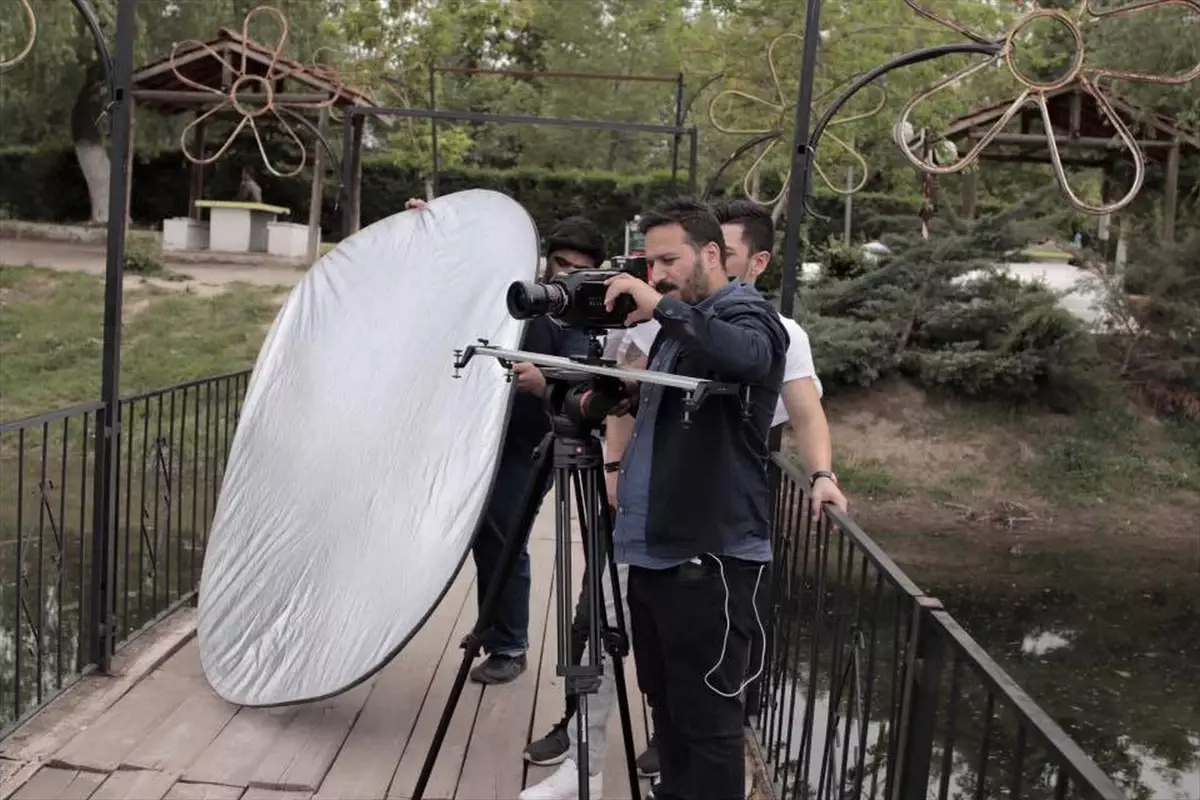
<point x="361" y="466"/>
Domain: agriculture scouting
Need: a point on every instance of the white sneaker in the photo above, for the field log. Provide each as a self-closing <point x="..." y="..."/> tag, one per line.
<point x="564" y="785"/>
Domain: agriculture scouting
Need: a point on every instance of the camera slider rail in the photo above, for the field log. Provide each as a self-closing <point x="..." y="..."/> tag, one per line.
<point x="695" y="390"/>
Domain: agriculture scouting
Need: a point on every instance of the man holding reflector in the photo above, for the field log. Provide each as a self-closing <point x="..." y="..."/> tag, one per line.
<point x="575" y="243"/>
<point x="692" y="502"/>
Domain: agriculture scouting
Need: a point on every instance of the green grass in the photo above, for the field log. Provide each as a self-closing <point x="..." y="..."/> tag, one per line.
<point x="871" y="479"/>
<point x="51" y="333"/>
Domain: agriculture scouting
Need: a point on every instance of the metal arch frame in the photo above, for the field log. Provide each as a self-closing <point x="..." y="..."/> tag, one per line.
<point x="810" y="135"/>
<point x="349" y="196"/>
<point x="435" y="70"/>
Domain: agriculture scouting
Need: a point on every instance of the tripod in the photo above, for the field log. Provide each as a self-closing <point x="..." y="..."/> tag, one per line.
<point x="576" y="403"/>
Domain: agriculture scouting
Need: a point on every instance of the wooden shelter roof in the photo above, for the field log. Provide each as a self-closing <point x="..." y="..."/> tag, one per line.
<point x="1075" y="113"/>
<point x="198" y="63"/>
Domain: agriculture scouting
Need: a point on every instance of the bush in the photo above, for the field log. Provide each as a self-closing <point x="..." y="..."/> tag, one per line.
<point x="160" y="190"/>
<point x="142" y="257"/>
<point x="940" y="312"/>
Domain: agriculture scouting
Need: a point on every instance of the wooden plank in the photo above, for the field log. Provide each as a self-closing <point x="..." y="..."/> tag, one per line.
<point x="494" y="767"/>
<point x="449" y="763"/>
<point x="203" y="791"/>
<point x="549" y="700"/>
<point x="179" y="740"/>
<point x="104" y="745"/>
<point x="258" y="793"/>
<point x="135" y="784"/>
<point x="366" y="763"/>
<point x="233" y="756"/>
<point x="186" y="662"/>
<point x="303" y="753"/>
<point x="51" y="783"/>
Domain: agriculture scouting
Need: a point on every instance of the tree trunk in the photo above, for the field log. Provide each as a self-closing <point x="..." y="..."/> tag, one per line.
<point x="89" y="143"/>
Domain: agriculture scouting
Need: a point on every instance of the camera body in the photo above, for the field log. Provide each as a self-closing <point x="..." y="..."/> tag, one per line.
<point x="575" y="299"/>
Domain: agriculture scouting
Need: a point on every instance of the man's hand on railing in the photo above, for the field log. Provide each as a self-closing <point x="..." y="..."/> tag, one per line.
<point x="825" y="490"/>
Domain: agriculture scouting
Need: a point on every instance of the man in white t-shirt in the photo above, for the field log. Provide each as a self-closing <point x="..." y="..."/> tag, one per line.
<point x="749" y="234"/>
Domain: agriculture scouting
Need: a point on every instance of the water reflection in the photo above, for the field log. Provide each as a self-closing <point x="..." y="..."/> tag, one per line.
<point x="1118" y="674"/>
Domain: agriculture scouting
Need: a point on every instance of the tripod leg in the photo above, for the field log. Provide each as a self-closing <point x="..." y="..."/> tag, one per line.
<point x="530" y="501"/>
<point x="617" y="651"/>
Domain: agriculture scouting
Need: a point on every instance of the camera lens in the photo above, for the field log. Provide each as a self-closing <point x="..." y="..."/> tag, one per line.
<point x="529" y="299"/>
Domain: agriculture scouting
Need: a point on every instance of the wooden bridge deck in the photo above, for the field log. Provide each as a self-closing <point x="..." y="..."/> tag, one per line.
<point x="170" y="736"/>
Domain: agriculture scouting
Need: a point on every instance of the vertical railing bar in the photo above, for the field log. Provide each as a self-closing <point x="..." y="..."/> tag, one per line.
<point x="774" y="734"/>
<point x="951" y="727"/>
<point x="170" y="479"/>
<point x="142" y="532"/>
<point x="854" y="685"/>
<point x="40" y="651"/>
<point x="195" y="489"/>
<point x="792" y="657"/>
<point x="1061" y="785"/>
<point x="156" y="551"/>
<point x="784" y="680"/>
<point x="898" y="661"/>
<point x="127" y="432"/>
<point x="988" y="708"/>
<point x="208" y="423"/>
<point x="62" y="550"/>
<point x="1018" y="759"/>
<point x="81" y="583"/>
<point x="822" y="567"/>
<point x="180" y="481"/>
<point x="18" y="628"/>
<point x="869" y="694"/>
<point x="784" y="643"/>
<point x="836" y="685"/>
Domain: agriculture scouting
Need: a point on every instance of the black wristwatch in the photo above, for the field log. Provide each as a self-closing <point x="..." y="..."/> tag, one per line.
<point x="612" y="466"/>
<point x="823" y="473"/>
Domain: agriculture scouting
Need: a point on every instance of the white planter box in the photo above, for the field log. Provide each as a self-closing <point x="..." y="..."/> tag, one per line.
<point x="184" y="233"/>
<point x="287" y="239"/>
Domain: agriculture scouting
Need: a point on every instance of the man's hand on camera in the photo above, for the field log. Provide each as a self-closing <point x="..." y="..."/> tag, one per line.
<point x="529" y="378"/>
<point x="643" y="294"/>
<point x="414" y="202"/>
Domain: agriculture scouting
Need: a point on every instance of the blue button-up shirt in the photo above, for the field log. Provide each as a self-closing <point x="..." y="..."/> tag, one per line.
<point x="633" y="485"/>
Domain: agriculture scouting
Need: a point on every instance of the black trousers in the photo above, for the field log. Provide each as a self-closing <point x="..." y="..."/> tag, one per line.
<point x="692" y="671"/>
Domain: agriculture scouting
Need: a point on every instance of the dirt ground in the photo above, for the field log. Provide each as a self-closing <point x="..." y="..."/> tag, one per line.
<point x="199" y="277"/>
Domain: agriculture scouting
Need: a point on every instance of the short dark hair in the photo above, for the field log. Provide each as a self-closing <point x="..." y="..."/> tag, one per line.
<point x="696" y="219"/>
<point x="579" y="234"/>
<point x="758" y="228"/>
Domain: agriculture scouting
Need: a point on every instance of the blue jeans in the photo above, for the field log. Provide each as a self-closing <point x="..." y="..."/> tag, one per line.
<point x="508" y="634"/>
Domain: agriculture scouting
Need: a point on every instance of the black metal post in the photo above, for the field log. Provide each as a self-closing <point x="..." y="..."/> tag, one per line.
<point x="107" y="433"/>
<point x="347" y="165"/>
<point x="693" y="159"/>
<point x="677" y="140"/>
<point x="433" y="131"/>
<point x="801" y="157"/>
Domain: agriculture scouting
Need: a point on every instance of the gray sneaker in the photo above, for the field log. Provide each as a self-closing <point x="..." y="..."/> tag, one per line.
<point x="498" y="669"/>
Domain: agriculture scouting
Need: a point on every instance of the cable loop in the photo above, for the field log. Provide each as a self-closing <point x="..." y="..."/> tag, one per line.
<point x="6" y="63"/>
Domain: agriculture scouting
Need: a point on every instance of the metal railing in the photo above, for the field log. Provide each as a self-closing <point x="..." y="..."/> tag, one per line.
<point x="172" y="445"/>
<point x="872" y="690"/>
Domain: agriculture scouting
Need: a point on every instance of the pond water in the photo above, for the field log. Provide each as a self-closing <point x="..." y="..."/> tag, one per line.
<point x="1118" y="670"/>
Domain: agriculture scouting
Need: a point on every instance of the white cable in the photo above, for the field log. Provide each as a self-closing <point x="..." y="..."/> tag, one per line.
<point x="762" y="656"/>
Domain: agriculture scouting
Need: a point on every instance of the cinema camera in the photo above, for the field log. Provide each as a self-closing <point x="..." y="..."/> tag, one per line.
<point x="576" y="298"/>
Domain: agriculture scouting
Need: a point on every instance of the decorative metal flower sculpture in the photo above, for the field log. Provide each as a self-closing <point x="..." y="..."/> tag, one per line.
<point x="265" y="84"/>
<point x="1035" y="92"/>
<point x="783" y="109"/>
<point x="5" y="63"/>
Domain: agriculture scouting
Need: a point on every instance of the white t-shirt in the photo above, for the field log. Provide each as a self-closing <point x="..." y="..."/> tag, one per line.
<point x="799" y="354"/>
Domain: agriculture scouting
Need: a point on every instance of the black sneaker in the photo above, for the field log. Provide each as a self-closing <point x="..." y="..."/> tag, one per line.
<point x="498" y="669"/>
<point x="551" y="749"/>
<point x="647" y="762"/>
